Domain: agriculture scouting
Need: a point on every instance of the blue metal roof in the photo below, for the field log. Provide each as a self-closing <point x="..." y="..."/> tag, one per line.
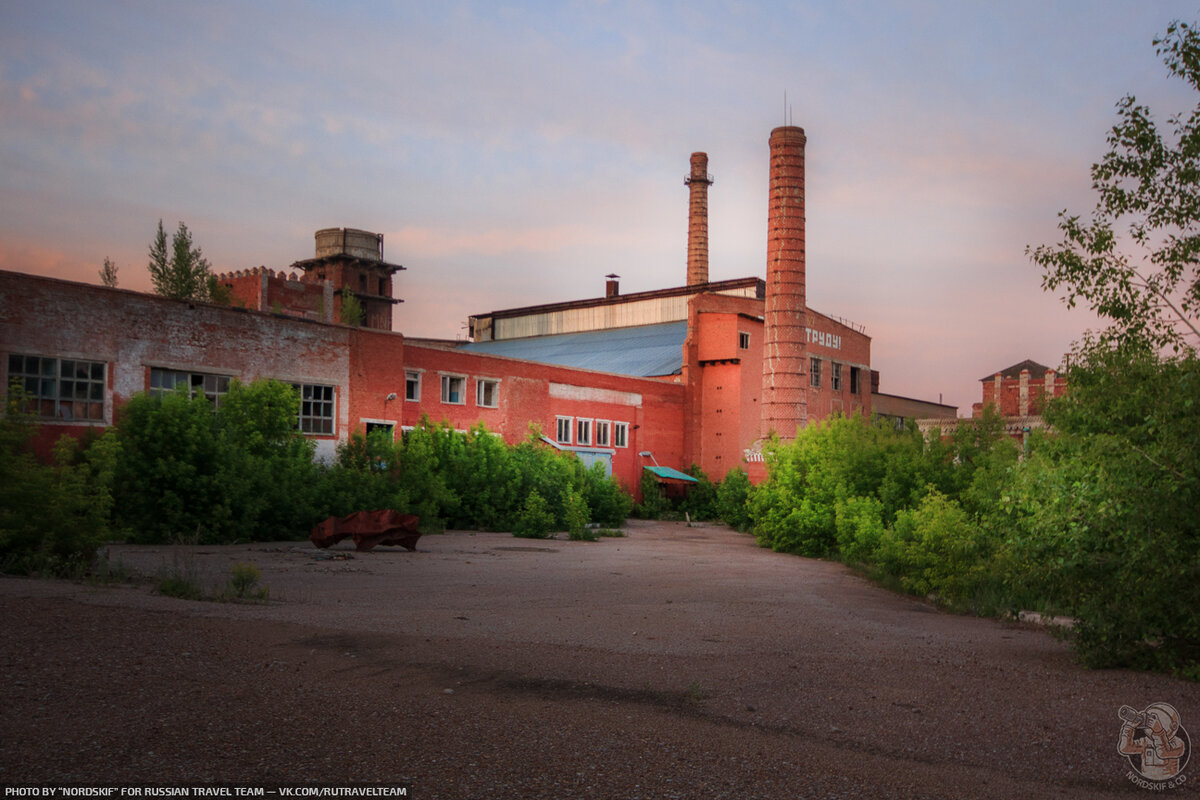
<point x="643" y="351"/>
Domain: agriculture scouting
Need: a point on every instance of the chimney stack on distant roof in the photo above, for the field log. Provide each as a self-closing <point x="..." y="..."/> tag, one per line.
<point x="785" y="367"/>
<point x="698" y="182"/>
<point x="612" y="287"/>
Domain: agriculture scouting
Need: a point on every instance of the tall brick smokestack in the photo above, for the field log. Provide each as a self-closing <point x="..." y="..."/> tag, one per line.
<point x="698" y="182"/>
<point x="785" y="363"/>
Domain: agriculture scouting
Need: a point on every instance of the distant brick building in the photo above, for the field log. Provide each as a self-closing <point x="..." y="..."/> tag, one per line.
<point x="694" y="374"/>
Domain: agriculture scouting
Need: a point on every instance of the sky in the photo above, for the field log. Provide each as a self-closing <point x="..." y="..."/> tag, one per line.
<point x="516" y="153"/>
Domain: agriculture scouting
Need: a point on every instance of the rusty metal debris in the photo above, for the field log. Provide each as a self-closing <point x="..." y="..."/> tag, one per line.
<point x="368" y="529"/>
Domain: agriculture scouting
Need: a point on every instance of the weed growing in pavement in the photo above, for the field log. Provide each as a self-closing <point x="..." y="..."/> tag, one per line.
<point x="182" y="580"/>
<point x="695" y="693"/>
<point x="243" y="584"/>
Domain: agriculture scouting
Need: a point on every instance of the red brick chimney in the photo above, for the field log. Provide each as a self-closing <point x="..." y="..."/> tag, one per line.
<point x="612" y="285"/>
<point x="698" y="182"/>
<point x="785" y="367"/>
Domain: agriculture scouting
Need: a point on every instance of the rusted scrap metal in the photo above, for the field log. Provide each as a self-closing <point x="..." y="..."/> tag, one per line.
<point x="368" y="529"/>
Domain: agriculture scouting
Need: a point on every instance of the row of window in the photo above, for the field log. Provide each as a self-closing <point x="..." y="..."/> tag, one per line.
<point x="454" y="389"/>
<point x="591" y="432"/>
<point x="835" y="375"/>
<point x="72" y="390"/>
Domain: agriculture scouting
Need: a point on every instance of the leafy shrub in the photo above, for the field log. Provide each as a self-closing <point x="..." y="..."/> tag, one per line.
<point x="1106" y="511"/>
<point x="535" y="520"/>
<point x="241" y="472"/>
<point x="609" y="503"/>
<point x="733" y="496"/>
<point x="935" y="549"/>
<point x="859" y="529"/>
<point x="576" y="517"/>
<point x="700" y="502"/>
<point x="654" y="503"/>
<point x="243" y="583"/>
<point x="52" y="518"/>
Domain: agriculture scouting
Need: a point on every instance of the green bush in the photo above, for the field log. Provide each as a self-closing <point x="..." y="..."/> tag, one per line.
<point x="608" y="502"/>
<point x="1106" y="511"/>
<point x="654" y="503"/>
<point x="935" y="549"/>
<point x="52" y="518"/>
<point x="576" y="516"/>
<point x="733" y="497"/>
<point x="240" y="472"/>
<point x="860" y="528"/>
<point x="535" y="520"/>
<point x="700" y="502"/>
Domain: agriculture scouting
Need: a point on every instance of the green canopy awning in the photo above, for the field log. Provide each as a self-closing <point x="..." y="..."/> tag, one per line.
<point x="668" y="474"/>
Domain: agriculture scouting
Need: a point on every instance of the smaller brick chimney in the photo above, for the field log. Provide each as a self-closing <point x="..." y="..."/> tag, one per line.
<point x="612" y="287"/>
<point x="698" y="181"/>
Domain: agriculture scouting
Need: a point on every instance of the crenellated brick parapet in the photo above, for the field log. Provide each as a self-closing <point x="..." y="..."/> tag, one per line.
<point x="295" y="294"/>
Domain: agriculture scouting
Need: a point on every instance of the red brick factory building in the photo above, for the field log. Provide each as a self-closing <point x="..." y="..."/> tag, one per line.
<point x="699" y="373"/>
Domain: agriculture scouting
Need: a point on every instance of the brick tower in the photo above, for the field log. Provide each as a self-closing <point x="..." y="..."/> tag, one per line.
<point x="352" y="260"/>
<point x="698" y="182"/>
<point x="785" y="371"/>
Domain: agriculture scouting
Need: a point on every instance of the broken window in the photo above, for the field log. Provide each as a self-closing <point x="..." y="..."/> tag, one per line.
<point x="212" y="386"/>
<point x="63" y="389"/>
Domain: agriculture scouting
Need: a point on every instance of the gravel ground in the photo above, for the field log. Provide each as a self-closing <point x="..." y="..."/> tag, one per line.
<point x="678" y="662"/>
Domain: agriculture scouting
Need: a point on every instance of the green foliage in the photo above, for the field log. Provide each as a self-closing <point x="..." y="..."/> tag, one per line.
<point x="859" y="522"/>
<point x="244" y="583"/>
<point x="535" y="520"/>
<point x="52" y="517"/>
<point x="181" y="580"/>
<point x="700" y="502"/>
<point x="654" y="502"/>
<point x="733" y="498"/>
<point x="108" y="273"/>
<point x="577" y="514"/>
<point x="469" y="481"/>
<point x="935" y="549"/>
<point x="180" y="271"/>
<point x="242" y="472"/>
<point x="1137" y="262"/>
<point x="608" y="501"/>
<point x="352" y="312"/>
<point x="1108" y="528"/>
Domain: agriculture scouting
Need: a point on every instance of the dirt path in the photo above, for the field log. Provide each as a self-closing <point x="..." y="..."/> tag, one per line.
<point x="676" y="662"/>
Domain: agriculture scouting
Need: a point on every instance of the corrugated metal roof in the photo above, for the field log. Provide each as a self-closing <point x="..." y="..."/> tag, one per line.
<point x="643" y="351"/>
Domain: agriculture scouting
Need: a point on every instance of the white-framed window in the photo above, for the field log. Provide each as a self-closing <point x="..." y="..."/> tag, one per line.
<point x="583" y="431"/>
<point x="835" y="376"/>
<point x="743" y="340"/>
<point x="814" y="372"/>
<point x="212" y="386"/>
<point x="67" y="389"/>
<point x="412" y="385"/>
<point x="603" y="437"/>
<point x="562" y="430"/>
<point x="316" y="408"/>
<point x="487" y="393"/>
<point x="620" y="434"/>
<point x="454" y="389"/>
